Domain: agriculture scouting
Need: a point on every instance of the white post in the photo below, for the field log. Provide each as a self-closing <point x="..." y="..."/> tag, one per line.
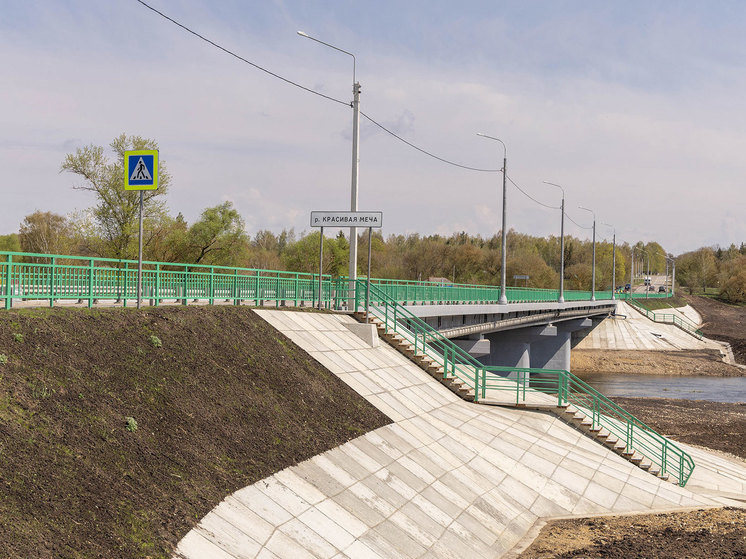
<point x="353" y="198"/>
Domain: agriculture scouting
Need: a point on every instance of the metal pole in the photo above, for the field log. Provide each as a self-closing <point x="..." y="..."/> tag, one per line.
<point x="355" y="175"/>
<point x="355" y="162"/>
<point x="321" y="263"/>
<point x="593" y="271"/>
<point x="139" y="257"/>
<point x="367" y="282"/>
<point x="613" y="267"/>
<point x="673" y="278"/>
<point x="503" y="295"/>
<point x="562" y="253"/>
<point x="504" y="246"/>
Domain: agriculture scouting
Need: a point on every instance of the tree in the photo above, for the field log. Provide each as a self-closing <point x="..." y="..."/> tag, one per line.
<point x="217" y="236"/>
<point x="45" y="233"/>
<point x="10" y="243"/>
<point x="734" y="289"/>
<point x="117" y="210"/>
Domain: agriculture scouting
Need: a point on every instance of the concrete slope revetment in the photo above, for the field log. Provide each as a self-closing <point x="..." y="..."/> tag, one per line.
<point x="447" y="479"/>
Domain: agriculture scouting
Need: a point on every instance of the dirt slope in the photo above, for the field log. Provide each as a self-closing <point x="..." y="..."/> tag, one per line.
<point x="723" y="322"/>
<point x="218" y="400"/>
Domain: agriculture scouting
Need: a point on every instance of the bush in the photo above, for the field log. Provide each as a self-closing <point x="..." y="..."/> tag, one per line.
<point x="734" y="289"/>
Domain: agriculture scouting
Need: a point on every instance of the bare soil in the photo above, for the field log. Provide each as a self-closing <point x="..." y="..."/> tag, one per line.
<point x="723" y="322"/>
<point x="120" y="429"/>
<point x="702" y="534"/>
<point x="706" y="362"/>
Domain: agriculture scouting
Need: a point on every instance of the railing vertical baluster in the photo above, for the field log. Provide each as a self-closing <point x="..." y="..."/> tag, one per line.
<point x="157" y="294"/>
<point x="90" y="284"/>
<point x="51" y="282"/>
<point x="8" y="286"/>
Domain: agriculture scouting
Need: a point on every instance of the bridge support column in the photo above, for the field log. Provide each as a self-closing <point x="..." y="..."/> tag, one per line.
<point x="554" y="353"/>
<point x="513" y="348"/>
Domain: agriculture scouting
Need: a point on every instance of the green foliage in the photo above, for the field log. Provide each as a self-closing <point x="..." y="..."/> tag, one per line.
<point x="155" y="341"/>
<point x="218" y="236"/>
<point x="11" y="243"/>
<point x="734" y="289"/>
<point x="46" y="233"/>
<point x="3" y="359"/>
<point x="116" y="211"/>
<point x="18" y="337"/>
<point x="131" y="424"/>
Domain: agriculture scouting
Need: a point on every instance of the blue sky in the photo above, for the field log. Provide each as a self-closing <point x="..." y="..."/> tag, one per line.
<point x="635" y="107"/>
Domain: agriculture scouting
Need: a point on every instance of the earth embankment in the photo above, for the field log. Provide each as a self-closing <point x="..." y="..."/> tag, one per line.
<point x="120" y="429"/>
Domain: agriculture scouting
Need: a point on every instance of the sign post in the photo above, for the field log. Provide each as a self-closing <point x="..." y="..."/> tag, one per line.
<point x="353" y="220"/>
<point x="140" y="173"/>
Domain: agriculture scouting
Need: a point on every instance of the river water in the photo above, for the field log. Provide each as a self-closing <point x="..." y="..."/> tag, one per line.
<point x="717" y="389"/>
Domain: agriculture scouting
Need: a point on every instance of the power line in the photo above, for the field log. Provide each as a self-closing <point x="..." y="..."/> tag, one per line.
<point x="309" y="90"/>
<point x="576" y="223"/>
<point x="410" y="144"/>
<point x="241" y="58"/>
<point x="531" y="197"/>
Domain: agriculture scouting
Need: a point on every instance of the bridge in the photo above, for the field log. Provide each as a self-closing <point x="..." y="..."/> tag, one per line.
<point x="532" y="330"/>
<point x="527" y="363"/>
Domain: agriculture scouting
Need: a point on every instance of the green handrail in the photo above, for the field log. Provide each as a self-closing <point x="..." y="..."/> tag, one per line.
<point x="665" y="318"/>
<point x="562" y="387"/>
<point x="55" y="276"/>
<point x="86" y="279"/>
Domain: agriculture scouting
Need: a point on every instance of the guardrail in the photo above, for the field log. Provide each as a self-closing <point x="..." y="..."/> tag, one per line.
<point x="665" y="318"/>
<point x="60" y="277"/>
<point x="556" y="386"/>
<point x="34" y="276"/>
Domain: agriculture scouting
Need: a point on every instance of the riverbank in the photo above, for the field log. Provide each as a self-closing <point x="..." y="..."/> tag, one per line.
<point x="700" y="534"/>
<point x="703" y="362"/>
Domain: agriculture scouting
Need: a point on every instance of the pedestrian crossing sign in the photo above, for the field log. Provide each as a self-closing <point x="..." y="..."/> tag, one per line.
<point x="141" y="169"/>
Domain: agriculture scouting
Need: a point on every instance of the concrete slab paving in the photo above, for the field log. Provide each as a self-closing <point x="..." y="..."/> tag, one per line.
<point x="635" y="331"/>
<point x="446" y="479"/>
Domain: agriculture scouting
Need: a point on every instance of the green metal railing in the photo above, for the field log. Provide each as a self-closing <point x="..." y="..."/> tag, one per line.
<point x="88" y="279"/>
<point x="53" y="277"/>
<point x="59" y="277"/>
<point x="666" y="318"/>
<point x="556" y="387"/>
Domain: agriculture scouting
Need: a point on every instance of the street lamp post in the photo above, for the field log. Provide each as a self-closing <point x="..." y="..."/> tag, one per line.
<point x="503" y="295"/>
<point x="355" y="161"/>
<point x="561" y="298"/>
<point x="613" y="261"/>
<point x="642" y="265"/>
<point x="593" y="270"/>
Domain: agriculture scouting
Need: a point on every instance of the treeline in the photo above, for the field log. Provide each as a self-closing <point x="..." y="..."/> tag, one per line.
<point x="219" y="237"/>
<point x="718" y="270"/>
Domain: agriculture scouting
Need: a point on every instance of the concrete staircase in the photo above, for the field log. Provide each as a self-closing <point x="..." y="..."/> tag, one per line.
<point x="568" y="413"/>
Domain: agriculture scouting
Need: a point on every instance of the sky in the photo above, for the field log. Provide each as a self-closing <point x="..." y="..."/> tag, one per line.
<point x="635" y="108"/>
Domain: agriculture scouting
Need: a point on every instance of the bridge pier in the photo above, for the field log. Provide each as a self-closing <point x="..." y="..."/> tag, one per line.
<point x="540" y="347"/>
<point x="554" y="353"/>
<point x="512" y="348"/>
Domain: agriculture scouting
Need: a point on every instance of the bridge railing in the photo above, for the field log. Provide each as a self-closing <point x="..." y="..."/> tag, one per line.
<point x="88" y="279"/>
<point x="552" y="387"/>
<point x="32" y="276"/>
